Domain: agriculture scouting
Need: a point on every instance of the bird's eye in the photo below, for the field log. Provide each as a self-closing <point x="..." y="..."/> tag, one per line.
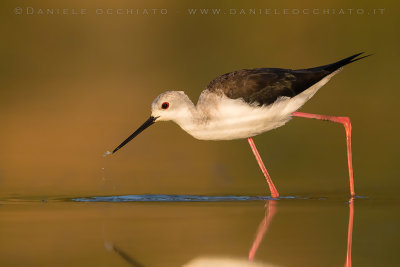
<point x="165" y="105"/>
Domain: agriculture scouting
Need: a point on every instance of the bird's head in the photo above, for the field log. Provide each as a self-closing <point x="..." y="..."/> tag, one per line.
<point x="170" y="105"/>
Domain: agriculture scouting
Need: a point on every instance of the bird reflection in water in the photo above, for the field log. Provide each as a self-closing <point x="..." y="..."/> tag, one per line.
<point x="123" y="254"/>
<point x="350" y="232"/>
<point x="270" y="210"/>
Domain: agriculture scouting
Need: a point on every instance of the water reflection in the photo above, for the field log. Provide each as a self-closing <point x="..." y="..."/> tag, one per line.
<point x="350" y="232"/>
<point x="123" y="254"/>
<point x="271" y="208"/>
<point x="170" y="198"/>
<point x="224" y="261"/>
<point x="197" y="262"/>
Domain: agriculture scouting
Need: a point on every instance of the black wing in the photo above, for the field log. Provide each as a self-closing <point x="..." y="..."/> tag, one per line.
<point x="265" y="85"/>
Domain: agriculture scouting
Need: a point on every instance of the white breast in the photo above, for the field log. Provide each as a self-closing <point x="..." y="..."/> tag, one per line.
<point x="223" y="118"/>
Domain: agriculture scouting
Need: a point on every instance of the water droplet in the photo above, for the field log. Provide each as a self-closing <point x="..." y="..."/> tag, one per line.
<point x="107" y="153"/>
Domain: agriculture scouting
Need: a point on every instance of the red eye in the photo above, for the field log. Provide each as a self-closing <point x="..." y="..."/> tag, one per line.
<point x="165" y="105"/>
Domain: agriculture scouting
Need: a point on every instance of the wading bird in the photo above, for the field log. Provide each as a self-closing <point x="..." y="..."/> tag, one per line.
<point x="248" y="102"/>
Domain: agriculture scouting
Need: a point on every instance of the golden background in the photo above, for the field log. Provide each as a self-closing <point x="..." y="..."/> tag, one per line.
<point x="74" y="86"/>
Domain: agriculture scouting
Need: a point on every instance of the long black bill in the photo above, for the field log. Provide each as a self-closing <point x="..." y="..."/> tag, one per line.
<point x="146" y="124"/>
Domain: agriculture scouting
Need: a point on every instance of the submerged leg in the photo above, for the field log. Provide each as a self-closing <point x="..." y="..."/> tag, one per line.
<point x="347" y="126"/>
<point x="274" y="192"/>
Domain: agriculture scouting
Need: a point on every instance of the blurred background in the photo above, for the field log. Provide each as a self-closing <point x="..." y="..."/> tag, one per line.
<point x="77" y="83"/>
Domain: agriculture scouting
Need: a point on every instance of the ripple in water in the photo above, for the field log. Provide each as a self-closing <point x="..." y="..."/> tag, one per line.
<point x="173" y="198"/>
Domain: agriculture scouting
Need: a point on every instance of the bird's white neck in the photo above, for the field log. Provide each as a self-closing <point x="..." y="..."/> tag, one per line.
<point x="190" y="117"/>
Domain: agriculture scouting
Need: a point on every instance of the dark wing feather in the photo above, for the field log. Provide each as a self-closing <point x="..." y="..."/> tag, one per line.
<point x="265" y="85"/>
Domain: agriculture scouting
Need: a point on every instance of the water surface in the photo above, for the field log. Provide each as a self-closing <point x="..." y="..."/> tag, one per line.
<point x="173" y="230"/>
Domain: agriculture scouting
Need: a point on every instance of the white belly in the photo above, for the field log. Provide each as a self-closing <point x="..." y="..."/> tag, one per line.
<point x="239" y="120"/>
<point x="227" y="119"/>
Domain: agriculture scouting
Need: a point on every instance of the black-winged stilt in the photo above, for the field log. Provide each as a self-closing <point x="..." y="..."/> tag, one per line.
<point x="248" y="102"/>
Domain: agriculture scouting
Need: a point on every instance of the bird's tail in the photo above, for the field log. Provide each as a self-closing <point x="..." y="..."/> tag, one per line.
<point x="337" y="65"/>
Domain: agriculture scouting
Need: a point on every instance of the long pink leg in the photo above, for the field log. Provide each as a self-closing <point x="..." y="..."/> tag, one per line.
<point x="350" y="232"/>
<point x="263" y="228"/>
<point x="274" y="192"/>
<point x="347" y="126"/>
